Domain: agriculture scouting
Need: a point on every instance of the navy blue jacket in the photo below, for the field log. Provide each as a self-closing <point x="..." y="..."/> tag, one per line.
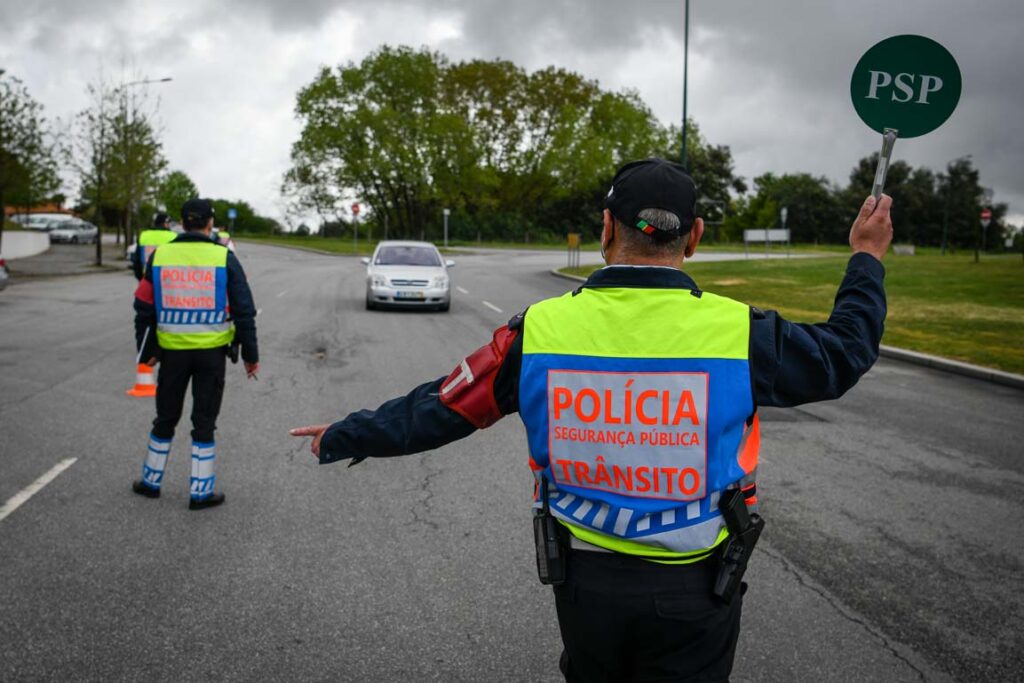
<point x="790" y="363"/>
<point x="243" y="310"/>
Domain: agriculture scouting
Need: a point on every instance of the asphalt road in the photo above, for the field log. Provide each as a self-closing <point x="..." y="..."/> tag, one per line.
<point x="893" y="550"/>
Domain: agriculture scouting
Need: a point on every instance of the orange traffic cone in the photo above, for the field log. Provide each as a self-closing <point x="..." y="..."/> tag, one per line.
<point x="145" y="382"/>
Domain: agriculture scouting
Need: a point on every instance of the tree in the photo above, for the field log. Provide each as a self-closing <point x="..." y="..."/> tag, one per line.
<point x="89" y="152"/>
<point x="814" y="210"/>
<point x="510" y="153"/>
<point x="136" y="155"/>
<point x="175" y="189"/>
<point x="28" y="160"/>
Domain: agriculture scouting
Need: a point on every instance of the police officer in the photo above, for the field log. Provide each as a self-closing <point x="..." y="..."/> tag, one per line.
<point x="639" y="392"/>
<point x="192" y="305"/>
<point x="149" y="240"/>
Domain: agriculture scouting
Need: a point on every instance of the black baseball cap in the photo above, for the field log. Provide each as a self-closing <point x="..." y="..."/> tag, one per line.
<point x="195" y="212"/>
<point x="653" y="184"/>
<point x="160" y="219"/>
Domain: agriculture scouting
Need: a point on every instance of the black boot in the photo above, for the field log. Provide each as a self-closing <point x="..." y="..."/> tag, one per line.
<point x="144" y="490"/>
<point x="213" y="500"/>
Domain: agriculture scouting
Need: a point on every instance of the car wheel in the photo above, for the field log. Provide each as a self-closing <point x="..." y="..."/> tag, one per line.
<point x="445" y="306"/>
<point x="369" y="304"/>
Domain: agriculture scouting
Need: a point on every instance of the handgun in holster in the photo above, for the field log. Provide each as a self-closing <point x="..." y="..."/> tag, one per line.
<point x="744" y="530"/>
<point x="551" y="542"/>
<point x="233" y="351"/>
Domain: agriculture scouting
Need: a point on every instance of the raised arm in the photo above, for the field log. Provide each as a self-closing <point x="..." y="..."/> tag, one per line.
<point x="796" y="363"/>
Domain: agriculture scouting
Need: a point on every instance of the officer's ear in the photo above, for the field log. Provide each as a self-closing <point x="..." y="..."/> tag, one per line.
<point x="693" y="239"/>
<point x="608" y="229"/>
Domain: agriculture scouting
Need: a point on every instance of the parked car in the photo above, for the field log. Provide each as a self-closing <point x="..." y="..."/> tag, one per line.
<point x="408" y="274"/>
<point x="4" y="274"/>
<point x="41" y="221"/>
<point x="75" y="232"/>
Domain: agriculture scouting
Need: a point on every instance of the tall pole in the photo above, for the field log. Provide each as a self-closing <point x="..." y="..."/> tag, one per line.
<point x="686" y="55"/>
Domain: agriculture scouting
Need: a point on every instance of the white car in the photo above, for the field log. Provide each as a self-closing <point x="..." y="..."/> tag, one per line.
<point x="75" y="232"/>
<point x="409" y="274"/>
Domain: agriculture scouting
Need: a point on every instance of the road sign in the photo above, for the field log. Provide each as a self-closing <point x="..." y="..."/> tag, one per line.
<point x="232" y="213"/>
<point x="986" y="217"/>
<point x="355" y="209"/>
<point x="908" y="83"/>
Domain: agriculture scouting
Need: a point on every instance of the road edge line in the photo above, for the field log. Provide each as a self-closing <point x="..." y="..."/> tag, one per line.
<point x="955" y="367"/>
<point x="22" y="496"/>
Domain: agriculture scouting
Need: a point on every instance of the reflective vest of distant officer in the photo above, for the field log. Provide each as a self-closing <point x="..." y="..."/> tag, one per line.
<point x="642" y="420"/>
<point x="149" y="240"/>
<point x="192" y="295"/>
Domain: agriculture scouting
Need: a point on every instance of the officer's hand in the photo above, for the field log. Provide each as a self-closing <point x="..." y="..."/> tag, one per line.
<point x="872" y="231"/>
<point x="315" y="431"/>
<point x="151" y="362"/>
<point x="251" y="369"/>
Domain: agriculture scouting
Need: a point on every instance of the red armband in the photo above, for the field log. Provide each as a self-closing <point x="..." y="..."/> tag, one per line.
<point x="144" y="292"/>
<point x="469" y="390"/>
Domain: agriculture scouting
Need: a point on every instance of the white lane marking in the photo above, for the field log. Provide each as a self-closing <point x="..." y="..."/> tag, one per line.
<point x="491" y="306"/>
<point x="461" y="290"/>
<point x="16" y="501"/>
<point x="282" y="293"/>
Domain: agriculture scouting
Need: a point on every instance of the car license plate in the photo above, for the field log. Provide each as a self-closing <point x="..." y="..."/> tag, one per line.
<point x="408" y="295"/>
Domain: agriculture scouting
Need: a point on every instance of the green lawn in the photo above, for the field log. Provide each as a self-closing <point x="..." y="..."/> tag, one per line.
<point x="944" y="305"/>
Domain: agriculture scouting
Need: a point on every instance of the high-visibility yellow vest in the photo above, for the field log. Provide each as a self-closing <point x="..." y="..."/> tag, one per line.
<point x="639" y="412"/>
<point x="190" y="291"/>
<point x="150" y="239"/>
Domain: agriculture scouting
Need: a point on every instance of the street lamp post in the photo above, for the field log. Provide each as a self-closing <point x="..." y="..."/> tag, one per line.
<point x="686" y="53"/>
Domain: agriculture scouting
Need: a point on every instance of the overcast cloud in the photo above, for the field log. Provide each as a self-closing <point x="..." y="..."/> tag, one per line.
<point x="769" y="79"/>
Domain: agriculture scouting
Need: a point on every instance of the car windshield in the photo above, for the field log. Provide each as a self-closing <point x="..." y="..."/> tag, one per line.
<point x="407" y="256"/>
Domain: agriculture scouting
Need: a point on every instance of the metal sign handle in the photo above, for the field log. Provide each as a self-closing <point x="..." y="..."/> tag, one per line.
<point x="888" y="142"/>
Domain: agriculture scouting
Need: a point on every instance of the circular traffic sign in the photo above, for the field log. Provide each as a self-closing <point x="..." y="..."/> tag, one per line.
<point x="910" y="83"/>
<point x="986" y="214"/>
<point x="355" y="209"/>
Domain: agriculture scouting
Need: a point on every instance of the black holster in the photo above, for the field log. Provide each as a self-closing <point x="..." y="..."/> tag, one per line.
<point x="744" y="530"/>
<point x="552" y="543"/>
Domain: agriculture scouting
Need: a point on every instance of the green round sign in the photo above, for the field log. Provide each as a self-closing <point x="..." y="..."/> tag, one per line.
<point x="910" y="83"/>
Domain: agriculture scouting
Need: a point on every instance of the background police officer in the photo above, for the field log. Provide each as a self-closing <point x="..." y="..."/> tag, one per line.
<point x="192" y="303"/>
<point x="149" y="240"/>
<point x="639" y="392"/>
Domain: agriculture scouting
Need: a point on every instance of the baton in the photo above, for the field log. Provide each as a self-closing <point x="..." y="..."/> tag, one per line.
<point x="888" y="141"/>
<point x="138" y="358"/>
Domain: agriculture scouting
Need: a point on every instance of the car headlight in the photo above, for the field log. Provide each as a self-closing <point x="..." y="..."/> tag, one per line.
<point x="441" y="281"/>
<point x="379" y="281"/>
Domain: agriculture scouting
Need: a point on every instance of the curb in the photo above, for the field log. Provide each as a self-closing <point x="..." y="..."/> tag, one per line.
<point x="955" y="367"/>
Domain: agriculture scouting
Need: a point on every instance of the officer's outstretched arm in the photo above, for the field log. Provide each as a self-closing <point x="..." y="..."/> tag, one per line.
<point x="430" y="416"/>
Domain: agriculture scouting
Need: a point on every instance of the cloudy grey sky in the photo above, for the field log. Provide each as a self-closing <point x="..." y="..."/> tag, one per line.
<point x="769" y="79"/>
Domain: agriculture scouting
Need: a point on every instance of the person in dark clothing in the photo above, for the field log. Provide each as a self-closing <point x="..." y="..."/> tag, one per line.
<point x="149" y="240"/>
<point x="193" y="308"/>
<point x="639" y="392"/>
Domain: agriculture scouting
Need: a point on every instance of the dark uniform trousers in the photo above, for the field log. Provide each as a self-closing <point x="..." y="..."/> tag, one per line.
<point x="205" y="369"/>
<point x="627" y="619"/>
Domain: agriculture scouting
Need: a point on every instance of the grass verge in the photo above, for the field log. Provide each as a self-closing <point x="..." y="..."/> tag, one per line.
<point x="947" y="306"/>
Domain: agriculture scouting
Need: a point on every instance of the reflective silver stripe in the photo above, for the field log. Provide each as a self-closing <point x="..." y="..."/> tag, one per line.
<point x="577" y="544"/>
<point x="693" y="510"/>
<point x="582" y="510"/>
<point x="198" y="328"/>
<point x="686" y="539"/>
<point x="602" y="514"/>
<point x="622" y="521"/>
